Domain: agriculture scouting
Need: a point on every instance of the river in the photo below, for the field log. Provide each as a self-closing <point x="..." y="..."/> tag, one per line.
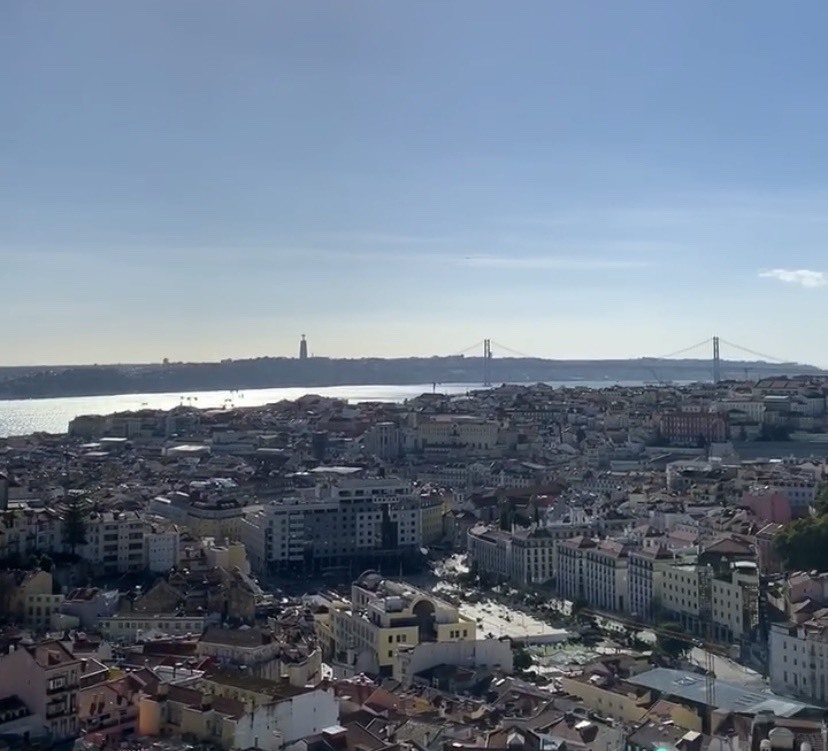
<point x="24" y="416"/>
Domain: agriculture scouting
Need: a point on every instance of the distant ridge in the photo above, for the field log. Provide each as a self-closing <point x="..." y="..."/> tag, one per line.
<point x="100" y="380"/>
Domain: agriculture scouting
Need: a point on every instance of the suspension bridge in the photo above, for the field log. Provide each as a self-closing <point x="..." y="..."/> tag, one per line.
<point x="710" y="347"/>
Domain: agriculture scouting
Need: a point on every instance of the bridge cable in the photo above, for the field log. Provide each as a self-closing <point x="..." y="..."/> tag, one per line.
<point x="684" y="350"/>
<point x="760" y="355"/>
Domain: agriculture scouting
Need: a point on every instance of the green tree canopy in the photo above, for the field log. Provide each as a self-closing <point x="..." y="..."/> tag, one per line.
<point x="803" y="544"/>
<point x="74" y="524"/>
<point x="667" y="644"/>
<point x="821" y="501"/>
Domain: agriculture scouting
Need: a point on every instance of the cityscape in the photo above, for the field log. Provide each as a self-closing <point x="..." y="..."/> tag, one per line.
<point x="413" y="376"/>
<point x="598" y="568"/>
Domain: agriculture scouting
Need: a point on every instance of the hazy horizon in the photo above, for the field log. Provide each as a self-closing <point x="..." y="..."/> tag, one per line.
<point x="208" y="180"/>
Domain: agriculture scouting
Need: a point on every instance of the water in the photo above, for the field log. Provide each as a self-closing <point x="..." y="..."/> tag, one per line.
<point x="24" y="416"/>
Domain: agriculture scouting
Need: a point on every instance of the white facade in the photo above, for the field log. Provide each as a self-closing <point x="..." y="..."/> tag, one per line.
<point x="162" y="550"/>
<point x="735" y="601"/>
<point x="483" y="653"/>
<point x="680" y="590"/>
<point x="115" y="541"/>
<point x="526" y="556"/>
<point x="273" y="726"/>
<point x="799" y="660"/>
<point x="605" y="576"/>
<point x="800" y="490"/>
<point x="340" y="519"/>
<point x="490" y="551"/>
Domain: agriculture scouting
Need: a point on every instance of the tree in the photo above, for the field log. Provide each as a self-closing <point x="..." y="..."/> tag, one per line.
<point x="74" y="525"/>
<point x="506" y="518"/>
<point x="578" y="605"/>
<point x="803" y="544"/>
<point x="821" y="501"/>
<point x="522" y="658"/>
<point x="669" y="645"/>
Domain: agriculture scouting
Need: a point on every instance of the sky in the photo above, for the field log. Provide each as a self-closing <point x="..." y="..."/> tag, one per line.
<point x="199" y="180"/>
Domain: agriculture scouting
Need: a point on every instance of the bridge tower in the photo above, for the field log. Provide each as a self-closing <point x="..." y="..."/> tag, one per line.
<point x="717" y="365"/>
<point x="487" y="362"/>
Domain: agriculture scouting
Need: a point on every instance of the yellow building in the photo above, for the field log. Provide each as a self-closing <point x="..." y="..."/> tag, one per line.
<point x="27" y="596"/>
<point x="609" y="699"/>
<point x="384" y="616"/>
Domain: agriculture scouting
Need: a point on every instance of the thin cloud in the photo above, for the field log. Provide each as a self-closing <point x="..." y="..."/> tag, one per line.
<point x="803" y="277"/>
<point x="539" y="263"/>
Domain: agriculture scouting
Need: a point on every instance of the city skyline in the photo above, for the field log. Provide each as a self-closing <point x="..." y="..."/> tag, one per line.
<point x="201" y="182"/>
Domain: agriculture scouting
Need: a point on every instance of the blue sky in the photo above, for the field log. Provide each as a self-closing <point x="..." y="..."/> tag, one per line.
<point x="204" y="179"/>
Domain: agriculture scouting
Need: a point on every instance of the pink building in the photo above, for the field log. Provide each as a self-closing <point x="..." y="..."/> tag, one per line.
<point x="769" y="507"/>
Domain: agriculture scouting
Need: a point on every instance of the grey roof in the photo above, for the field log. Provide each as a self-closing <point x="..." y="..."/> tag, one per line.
<point x="730" y="697"/>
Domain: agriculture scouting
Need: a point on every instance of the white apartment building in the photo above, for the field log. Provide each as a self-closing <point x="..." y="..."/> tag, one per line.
<point x="595" y="572"/>
<point x="645" y="578"/>
<point x="605" y="576"/>
<point x="683" y="593"/>
<point x="490" y="551"/>
<point x="523" y="558"/>
<point x="161" y="549"/>
<point x="799" y="659"/>
<point x="800" y="489"/>
<point x="528" y="556"/>
<point x="721" y="605"/>
<point x="115" y="541"/>
<point x="24" y="531"/>
<point x="735" y="608"/>
<point x="383" y="440"/>
<point x="569" y="567"/>
<point x="341" y="519"/>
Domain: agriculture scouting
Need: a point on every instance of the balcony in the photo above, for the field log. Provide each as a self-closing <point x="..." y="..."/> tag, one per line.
<point x="62" y="688"/>
<point x="58" y="710"/>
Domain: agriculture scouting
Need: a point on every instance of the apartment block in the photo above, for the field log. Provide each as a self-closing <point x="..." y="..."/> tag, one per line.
<point x="339" y="521"/>
<point x="593" y="571"/>
<point x="46" y="678"/>
<point x="115" y="541"/>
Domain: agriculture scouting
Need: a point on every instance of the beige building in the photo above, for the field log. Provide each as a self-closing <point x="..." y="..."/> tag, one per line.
<point x="46" y="677"/>
<point x="457" y="431"/>
<point x="238" y="712"/>
<point x="385" y="616"/>
<point x="615" y="699"/>
<point x="262" y="655"/>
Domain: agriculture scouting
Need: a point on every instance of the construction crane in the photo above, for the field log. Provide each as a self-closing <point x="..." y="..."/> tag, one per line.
<point x="710" y="650"/>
